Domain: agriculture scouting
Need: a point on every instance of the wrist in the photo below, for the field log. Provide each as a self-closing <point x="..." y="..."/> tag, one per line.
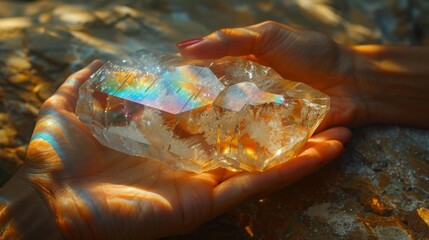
<point x="348" y="77"/>
<point x="360" y="72"/>
<point x="393" y="83"/>
<point x="24" y="213"/>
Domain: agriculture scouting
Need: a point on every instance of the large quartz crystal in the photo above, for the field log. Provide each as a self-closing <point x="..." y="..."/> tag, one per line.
<point x="199" y="115"/>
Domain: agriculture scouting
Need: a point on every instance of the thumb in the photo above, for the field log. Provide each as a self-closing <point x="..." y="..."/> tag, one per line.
<point x="66" y="95"/>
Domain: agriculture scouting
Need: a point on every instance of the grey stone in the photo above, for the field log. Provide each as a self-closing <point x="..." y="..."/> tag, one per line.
<point x="378" y="189"/>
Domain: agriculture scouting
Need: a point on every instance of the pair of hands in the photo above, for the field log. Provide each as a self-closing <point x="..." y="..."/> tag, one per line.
<point x="95" y="191"/>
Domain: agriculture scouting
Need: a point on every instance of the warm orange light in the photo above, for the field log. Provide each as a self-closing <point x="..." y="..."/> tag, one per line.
<point x="15" y="22"/>
<point x="376" y="204"/>
<point x="118" y="196"/>
<point x="424" y="215"/>
<point x="250" y="152"/>
<point x="249" y="230"/>
<point x="228" y="145"/>
<point x="320" y="11"/>
<point x="9" y="231"/>
<point x="126" y="196"/>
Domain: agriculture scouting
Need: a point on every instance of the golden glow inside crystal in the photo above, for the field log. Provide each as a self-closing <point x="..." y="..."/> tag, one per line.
<point x="198" y="115"/>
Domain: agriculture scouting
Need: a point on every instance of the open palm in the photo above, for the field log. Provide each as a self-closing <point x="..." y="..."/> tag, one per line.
<point x="95" y="191"/>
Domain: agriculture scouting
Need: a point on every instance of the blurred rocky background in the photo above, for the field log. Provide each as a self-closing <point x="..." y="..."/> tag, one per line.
<point x="378" y="189"/>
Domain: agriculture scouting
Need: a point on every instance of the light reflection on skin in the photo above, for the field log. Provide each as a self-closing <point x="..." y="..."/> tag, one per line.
<point x="117" y="194"/>
<point x="94" y="191"/>
<point x="9" y="229"/>
<point x="389" y="65"/>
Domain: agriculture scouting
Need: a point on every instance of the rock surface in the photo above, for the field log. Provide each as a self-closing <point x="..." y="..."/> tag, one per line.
<point x="378" y="189"/>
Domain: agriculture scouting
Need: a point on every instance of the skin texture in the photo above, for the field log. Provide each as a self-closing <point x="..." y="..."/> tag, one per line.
<point x="296" y="54"/>
<point x="367" y="84"/>
<point x="92" y="191"/>
<point x="81" y="189"/>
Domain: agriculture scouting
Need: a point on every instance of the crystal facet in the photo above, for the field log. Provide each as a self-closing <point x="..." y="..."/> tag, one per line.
<point x="199" y="115"/>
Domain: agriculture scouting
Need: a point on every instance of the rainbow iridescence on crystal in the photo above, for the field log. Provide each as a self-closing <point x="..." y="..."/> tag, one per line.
<point x="199" y="115"/>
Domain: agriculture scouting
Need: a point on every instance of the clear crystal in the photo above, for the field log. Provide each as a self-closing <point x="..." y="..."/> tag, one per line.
<point x="199" y="115"/>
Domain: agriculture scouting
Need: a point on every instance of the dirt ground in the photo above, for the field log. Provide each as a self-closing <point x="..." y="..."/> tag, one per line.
<point x="378" y="189"/>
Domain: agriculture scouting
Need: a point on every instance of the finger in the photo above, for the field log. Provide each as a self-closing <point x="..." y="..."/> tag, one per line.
<point x="224" y="42"/>
<point x="341" y="134"/>
<point x="66" y="95"/>
<point x="248" y="185"/>
<point x="252" y="40"/>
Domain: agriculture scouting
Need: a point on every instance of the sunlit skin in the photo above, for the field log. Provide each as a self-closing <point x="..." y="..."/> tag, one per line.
<point x="95" y="191"/>
<point x="71" y="186"/>
<point x="367" y="84"/>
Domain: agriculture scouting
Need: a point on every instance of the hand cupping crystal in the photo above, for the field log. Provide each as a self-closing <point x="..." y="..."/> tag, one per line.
<point x="199" y="115"/>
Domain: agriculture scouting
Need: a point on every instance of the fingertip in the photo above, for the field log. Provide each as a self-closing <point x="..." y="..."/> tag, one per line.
<point x="203" y="48"/>
<point x="341" y="134"/>
<point x="95" y="65"/>
<point x="190" y="48"/>
<point x="325" y="149"/>
<point x="66" y="95"/>
<point x="80" y="76"/>
<point x="189" y="42"/>
<point x="337" y="148"/>
<point x="89" y="69"/>
<point x="221" y="43"/>
<point x="347" y="135"/>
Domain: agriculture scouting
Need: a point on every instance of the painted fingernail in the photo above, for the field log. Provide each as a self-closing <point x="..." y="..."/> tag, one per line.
<point x="189" y="42"/>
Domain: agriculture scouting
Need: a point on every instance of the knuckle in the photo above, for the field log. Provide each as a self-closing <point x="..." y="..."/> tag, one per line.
<point x="271" y="35"/>
<point x="270" y="25"/>
<point x="223" y="33"/>
<point x="49" y="103"/>
<point x="49" y="106"/>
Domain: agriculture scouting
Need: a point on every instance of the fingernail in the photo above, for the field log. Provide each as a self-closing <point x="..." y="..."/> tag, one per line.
<point x="189" y="42"/>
